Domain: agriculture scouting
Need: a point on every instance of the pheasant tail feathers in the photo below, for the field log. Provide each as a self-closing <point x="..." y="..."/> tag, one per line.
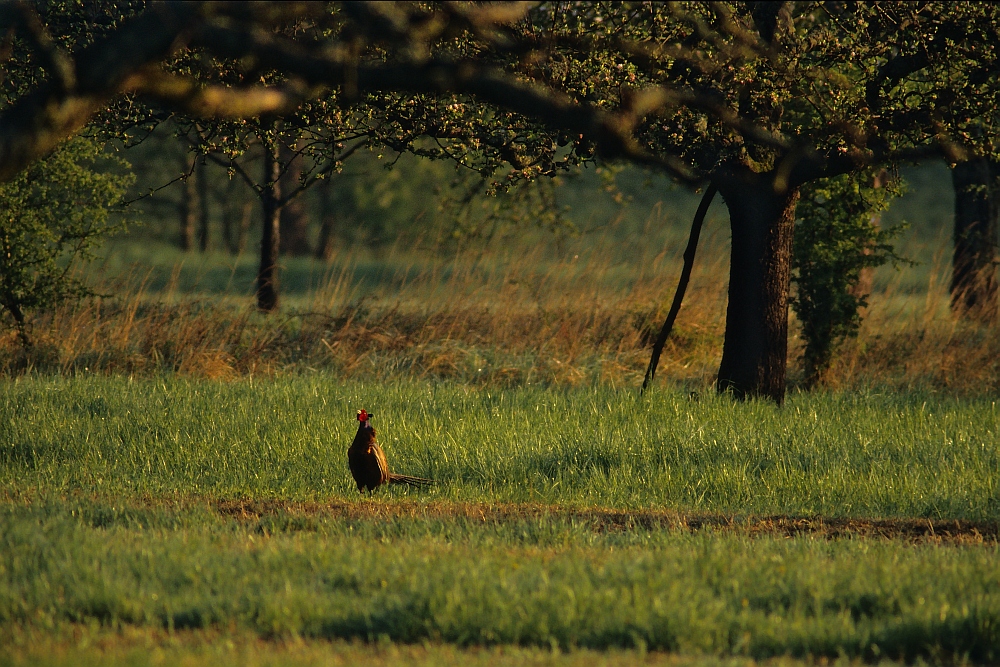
<point x="407" y="479"/>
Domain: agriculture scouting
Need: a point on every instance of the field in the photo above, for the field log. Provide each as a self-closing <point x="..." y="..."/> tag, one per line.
<point x="856" y="525"/>
<point x="174" y="488"/>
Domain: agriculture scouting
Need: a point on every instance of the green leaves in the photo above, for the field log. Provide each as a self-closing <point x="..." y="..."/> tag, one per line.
<point x="837" y="237"/>
<point x="50" y="215"/>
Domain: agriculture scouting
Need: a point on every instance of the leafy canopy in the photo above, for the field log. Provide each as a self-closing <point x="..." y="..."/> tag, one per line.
<point x="51" y="214"/>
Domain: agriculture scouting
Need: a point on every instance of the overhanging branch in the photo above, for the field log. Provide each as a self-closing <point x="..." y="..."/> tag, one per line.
<point x="38" y="122"/>
<point x="215" y="101"/>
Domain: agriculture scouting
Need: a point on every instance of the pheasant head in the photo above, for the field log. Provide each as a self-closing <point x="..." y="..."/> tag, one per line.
<point x="363" y="423"/>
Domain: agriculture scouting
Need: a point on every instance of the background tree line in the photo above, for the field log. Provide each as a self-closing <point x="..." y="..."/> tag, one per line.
<point x="765" y="103"/>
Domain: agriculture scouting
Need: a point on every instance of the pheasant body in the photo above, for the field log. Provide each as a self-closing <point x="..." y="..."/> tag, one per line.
<point x="367" y="461"/>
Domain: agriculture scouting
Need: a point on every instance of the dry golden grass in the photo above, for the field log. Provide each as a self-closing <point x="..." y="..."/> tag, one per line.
<point x="519" y="320"/>
<point x="910" y="340"/>
<point x="507" y="324"/>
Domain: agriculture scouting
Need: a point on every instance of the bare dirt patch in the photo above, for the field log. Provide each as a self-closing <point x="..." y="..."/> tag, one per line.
<point x="610" y="520"/>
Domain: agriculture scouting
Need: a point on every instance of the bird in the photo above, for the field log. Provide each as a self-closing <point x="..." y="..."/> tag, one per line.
<point x="368" y="463"/>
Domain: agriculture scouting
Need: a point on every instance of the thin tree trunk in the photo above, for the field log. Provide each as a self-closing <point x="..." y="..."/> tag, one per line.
<point x="675" y="307"/>
<point x="324" y="245"/>
<point x="201" y="174"/>
<point x="295" y="229"/>
<point x="267" y="278"/>
<point x="14" y="308"/>
<point x="977" y="206"/>
<point x="755" y="351"/>
<point x="188" y="206"/>
<point x="866" y="279"/>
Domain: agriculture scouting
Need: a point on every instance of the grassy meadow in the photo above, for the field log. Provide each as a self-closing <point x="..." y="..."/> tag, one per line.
<point x="839" y="525"/>
<point x="174" y="488"/>
<point x="835" y="455"/>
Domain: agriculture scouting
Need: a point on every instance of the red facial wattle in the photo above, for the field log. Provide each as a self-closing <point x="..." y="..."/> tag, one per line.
<point x="362" y="416"/>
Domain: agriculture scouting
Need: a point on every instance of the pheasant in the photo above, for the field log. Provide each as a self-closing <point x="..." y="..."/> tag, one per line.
<point x="367" y="460"/>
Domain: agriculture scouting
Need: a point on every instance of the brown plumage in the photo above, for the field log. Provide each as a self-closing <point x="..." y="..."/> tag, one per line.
<point x="367" y="460"/>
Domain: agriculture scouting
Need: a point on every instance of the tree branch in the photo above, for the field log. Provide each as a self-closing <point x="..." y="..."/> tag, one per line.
<point x="682" y="283"/>
<point x="814" y="165"/>
<point x="38" y="122"/>
<point x="53" y="59"/>
<point x="215" y="101"/>
<point x="611" y="133"/>
<point x="322" y="173"/>
<point x="238" y="168"/>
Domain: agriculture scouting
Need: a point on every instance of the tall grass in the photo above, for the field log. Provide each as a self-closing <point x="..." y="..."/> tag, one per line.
<point x="865" y="455"/>
<point x="523" y="318"/>
<point x="497" y="320"/>
<point x="172" y="466"/>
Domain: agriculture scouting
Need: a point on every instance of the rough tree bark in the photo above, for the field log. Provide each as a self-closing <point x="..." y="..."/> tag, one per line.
<point x="977" y="206"/>
<point x="762" y="219"/>
<point x="267" y="278"/>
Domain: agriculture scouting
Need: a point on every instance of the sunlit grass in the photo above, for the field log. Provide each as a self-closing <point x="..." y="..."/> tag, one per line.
<point x="508" y="375"/>
<point x="507" y="316"/>
<point x="868" y="455"/>
<point x="527" y="309"/>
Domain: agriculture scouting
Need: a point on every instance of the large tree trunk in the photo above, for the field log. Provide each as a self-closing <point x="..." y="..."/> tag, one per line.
<point x="755" y="350"/>
<point x="188" y="205"/>
<point x="977" y="205"/>
<point x="267" y="278"/>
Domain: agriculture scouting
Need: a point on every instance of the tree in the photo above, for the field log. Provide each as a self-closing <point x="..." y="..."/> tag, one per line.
<point x="835" y="240"/>
<point x="98" y="79"/>
<point x="758" y="98"/>
<point x="284" y="145"/>
<point x="762" y="99"/>
<point x="276" y="62"/>
<point x="52" y="214"/>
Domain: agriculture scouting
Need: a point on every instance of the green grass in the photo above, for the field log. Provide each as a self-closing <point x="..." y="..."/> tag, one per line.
<point x="82" y="647"/>
<point x="113" y="548"/>
<point x="112" y="529"/>
<point x="866" y="455"/>
<point x="530" y="582"/>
